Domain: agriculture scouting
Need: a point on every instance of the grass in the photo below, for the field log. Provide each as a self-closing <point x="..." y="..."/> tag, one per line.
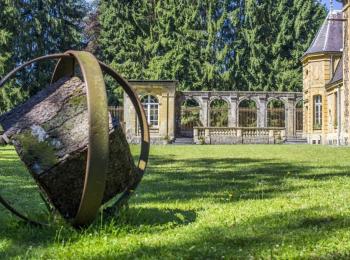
<point x="207" y="202"/>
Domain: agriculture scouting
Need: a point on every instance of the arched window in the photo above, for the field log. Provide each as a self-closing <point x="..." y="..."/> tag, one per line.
<point x="151" y="107"/>
<point x="318" y="112"/>
<point x="218" y="113"/>
<point x="247" y="113"/>
<point x="276" y="115"/>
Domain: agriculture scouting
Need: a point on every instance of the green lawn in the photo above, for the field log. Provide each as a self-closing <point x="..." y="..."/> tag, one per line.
<point x="204" y="202"/>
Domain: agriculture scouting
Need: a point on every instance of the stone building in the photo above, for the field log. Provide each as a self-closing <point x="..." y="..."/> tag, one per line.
<point x="214" y="117"/>
<point x="158" y="99"/>
<point x="326" y="82"/>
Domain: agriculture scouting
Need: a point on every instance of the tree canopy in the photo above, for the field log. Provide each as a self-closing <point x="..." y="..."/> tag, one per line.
<point x="206" y="45"/>
<point x="34" y="28"/>
<point x="210" y="44"/>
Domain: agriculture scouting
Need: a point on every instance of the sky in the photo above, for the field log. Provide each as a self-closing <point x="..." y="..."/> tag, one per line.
<point x="337" y="5"/>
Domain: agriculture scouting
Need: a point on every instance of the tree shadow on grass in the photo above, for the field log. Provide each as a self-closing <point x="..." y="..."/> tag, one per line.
<point x="222" y="180"/>
<point x="261" y="237"/>
<point x="225" y="179"/>
<point x="150" y="216"/>
<point x="21" y="192"/>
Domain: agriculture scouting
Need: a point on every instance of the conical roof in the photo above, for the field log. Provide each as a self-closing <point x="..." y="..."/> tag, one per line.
<point x="330" y="37"/>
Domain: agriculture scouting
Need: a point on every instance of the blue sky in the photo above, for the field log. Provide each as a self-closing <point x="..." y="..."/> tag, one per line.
<point x="337" y="6"/>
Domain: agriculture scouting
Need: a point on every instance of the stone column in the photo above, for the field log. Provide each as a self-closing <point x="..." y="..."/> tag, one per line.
<point x="171" y="116"/>
<point x="262" y="120"/>
<point x="163" y="115"/>
<point x="204" y="114"/>
<point x="290" y="117"/>
<point x="129" y="118"/>
<point x="232" y="115"/>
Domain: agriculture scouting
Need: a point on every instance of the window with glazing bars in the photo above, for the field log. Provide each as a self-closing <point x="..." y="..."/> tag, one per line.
<point x="151" y="107"/>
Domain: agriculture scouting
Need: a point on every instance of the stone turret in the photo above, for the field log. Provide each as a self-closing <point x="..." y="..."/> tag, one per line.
<point x="319" y="65"/>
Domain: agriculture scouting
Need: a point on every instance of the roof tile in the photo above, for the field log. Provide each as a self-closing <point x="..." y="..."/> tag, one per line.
<point x="330" y="37"/>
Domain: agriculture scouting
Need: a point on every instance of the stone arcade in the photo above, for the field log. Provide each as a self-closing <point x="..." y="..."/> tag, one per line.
<point x="166" y="109"/>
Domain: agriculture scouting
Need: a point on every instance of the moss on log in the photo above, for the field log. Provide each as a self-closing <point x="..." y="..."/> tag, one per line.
<point x="50" y="134"/>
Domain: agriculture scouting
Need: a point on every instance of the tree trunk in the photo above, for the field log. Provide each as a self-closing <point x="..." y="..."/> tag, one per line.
<point x="50" y="134"/>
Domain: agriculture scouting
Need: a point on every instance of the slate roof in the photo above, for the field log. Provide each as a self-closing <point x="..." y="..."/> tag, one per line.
<point x="330" y="36"/>
<point x="338" y="74"/>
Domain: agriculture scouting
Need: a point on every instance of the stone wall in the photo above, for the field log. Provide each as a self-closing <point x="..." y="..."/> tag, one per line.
<point x="237" y="135"/>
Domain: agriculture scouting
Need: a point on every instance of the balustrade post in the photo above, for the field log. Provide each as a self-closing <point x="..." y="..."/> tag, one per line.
<point x="207" y="136"/>
<point x="283" y="135"/>
<point x="195" y="135"/>
<point x="239" y="135"/>
<point x="271" y="137"/>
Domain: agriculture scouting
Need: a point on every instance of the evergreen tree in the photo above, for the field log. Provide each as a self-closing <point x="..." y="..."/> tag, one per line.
<point x="10" y="93"/>
<point x="92" y="28"/>
<point x="206" y="45"/>
<point x="296" y="31"/>
<point x="210" y="44"/>
<point x="34" y="28"/>
<point x="185" y="40"/>
<point x="47" y="26"/>
<point x="275" y="35"/>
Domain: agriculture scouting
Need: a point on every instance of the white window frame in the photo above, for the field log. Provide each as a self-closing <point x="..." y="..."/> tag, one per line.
<point x="150" y="103"/>
<point x="318" y="112"/>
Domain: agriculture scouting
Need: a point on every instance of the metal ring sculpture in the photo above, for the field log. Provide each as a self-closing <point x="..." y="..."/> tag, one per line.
<point x="98" y="149"/>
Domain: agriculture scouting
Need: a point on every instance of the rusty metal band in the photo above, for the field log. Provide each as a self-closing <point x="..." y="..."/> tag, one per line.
<point x="2" y="83"/>
<point x="98" y="148"/>
<point x="145" y="136"/>
<point x="95" y="177"/>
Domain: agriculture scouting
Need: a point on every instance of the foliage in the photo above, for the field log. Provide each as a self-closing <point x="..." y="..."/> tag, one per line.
<point x="34" y="28"/>
<point x="276" y="34"/>
<point x="248" y="104"/>
<point x="206" y="45"/>
<point x="203" y="202"/>
<point x="219" y="113"/>
<point x="190" y="114"/>
<point x="11" y="93"/>
<point x="190" y="117"/>
<point x="210" y="45"/>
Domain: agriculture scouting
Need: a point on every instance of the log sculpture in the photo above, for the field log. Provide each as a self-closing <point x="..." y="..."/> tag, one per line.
<point x="76" y="153"/>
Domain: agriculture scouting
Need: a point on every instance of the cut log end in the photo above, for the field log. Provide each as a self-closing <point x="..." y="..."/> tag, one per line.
<point x="50" y="134"/>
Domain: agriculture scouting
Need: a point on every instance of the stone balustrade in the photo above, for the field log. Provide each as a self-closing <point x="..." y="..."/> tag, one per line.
<point x="238" y="135"/>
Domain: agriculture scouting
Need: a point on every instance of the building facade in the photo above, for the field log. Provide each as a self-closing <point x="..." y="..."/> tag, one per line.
<point x="326" y="82"/>
<point x="213" y="117"/>
<point x="158" y="99"/>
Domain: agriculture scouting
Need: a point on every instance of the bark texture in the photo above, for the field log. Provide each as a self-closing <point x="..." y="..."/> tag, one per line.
<point x="50" y="134"/>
